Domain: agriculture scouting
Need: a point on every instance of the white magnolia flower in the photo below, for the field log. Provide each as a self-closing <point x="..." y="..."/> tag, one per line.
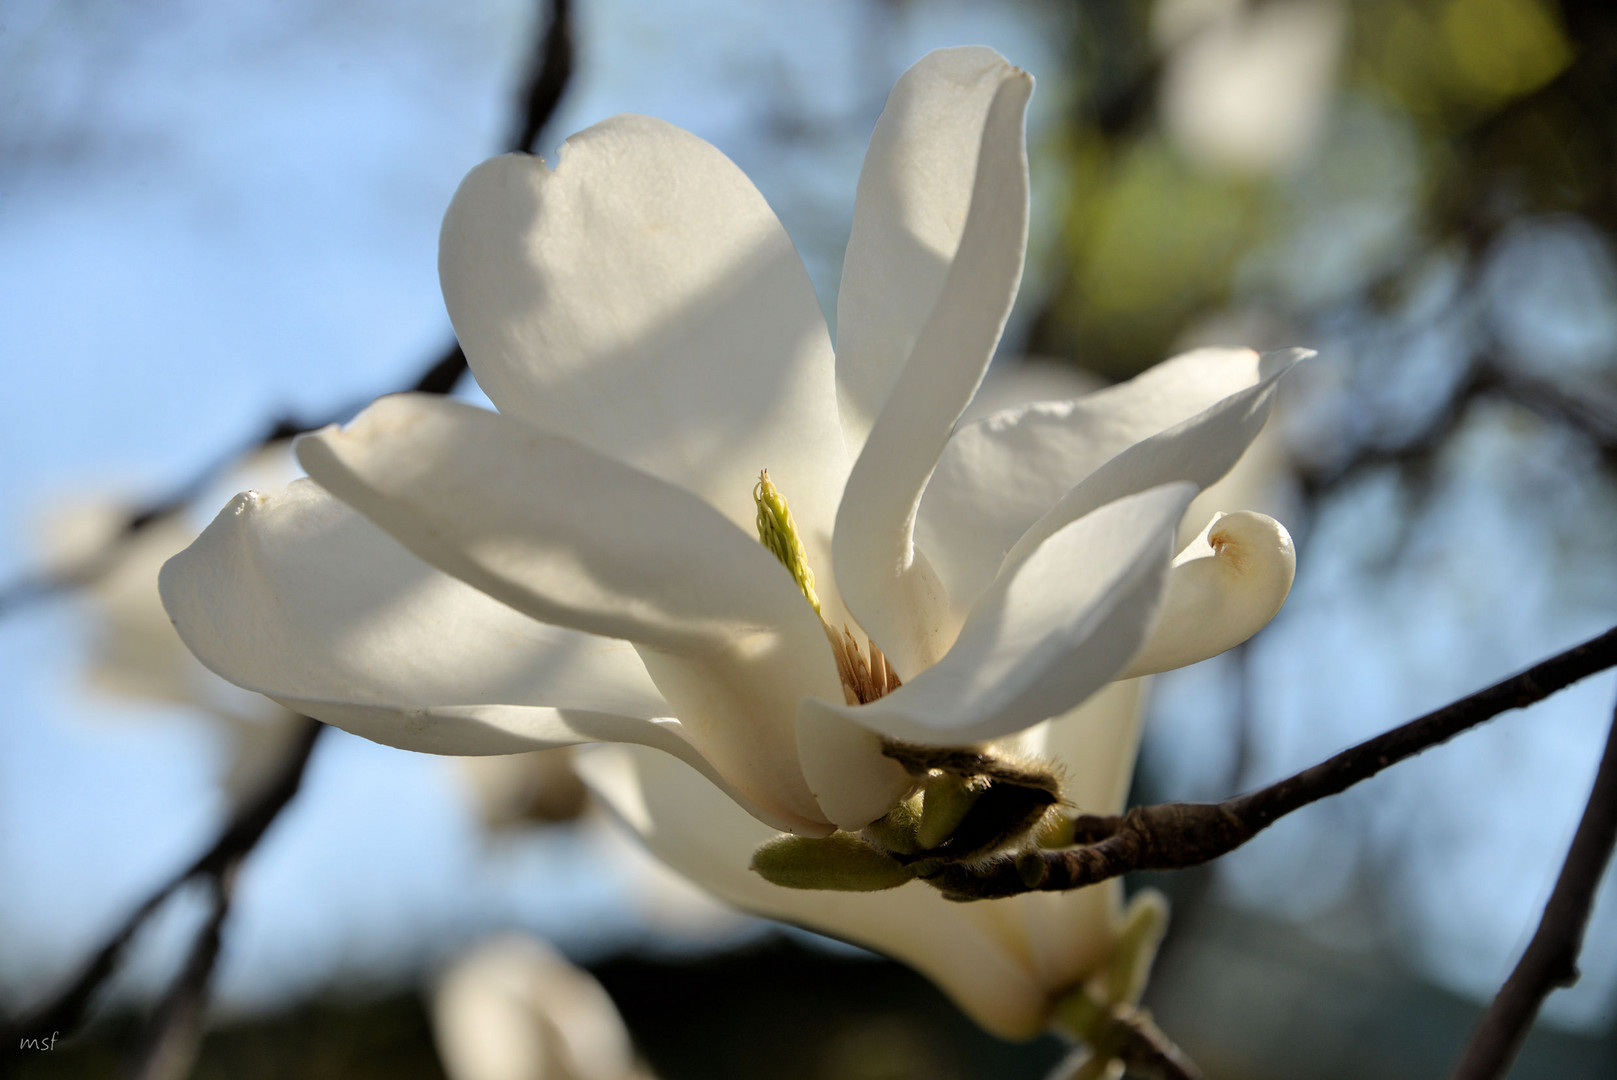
<point x="582" y="566"/>
<point x="514" y="1009"/>
<point x="1247" y="87"/>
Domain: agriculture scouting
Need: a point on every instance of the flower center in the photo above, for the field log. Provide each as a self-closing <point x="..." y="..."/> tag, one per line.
<point x="968" y="801"/>
<point x="865" y="673"/>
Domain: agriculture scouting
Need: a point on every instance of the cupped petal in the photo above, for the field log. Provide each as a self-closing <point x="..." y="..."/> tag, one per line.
<point x="960" y="947"/>
<point x="643" y="299"/>
<point x="1000" y="475"/>
<point x="1224" y="587"/>
<point x="886" y="582"/>
<point x="914" y="191"/>
<point x="1049" y="632"/>
<point x="515" y="1009"/>
<point x="298" y="597"/>
<point x="844" y="766"/>
<point x="577" y="539"/>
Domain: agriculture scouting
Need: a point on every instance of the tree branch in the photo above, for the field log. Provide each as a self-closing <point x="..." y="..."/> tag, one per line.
<point x="65" y="1012"/>
<point x="175" y="1032"/>
<point x="1171" y="836"/>
<point x="1551" y="958"/>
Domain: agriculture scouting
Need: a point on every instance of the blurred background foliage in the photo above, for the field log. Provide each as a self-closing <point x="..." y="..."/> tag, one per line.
<point x="1424" y="190"/>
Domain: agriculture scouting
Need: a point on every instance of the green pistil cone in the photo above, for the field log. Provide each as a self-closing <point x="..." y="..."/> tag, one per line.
<point x="778" y="532"/>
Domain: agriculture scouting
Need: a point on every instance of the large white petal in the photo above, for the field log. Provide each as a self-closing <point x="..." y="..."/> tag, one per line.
<point x="578" y="539"/>
<point x="1012" y="383"/>
<point x="914" y="191"/>
<point x="885" y="581"/>
<point x="972" y="951"/>
<point x="1000" y="475"/>
<point x="298" y="597"/>
<point x="644" y="299"/>
<point x="1049" y="632"/>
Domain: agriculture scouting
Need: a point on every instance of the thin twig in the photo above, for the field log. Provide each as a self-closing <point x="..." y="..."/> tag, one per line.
<point x="65" y="1011"/>
<point x="175" y="1032"/>
<point x="1128" y="1035"/>
<point x="1171" y="836"/>
<point x="549" y="75"/>
<point x="1590" y="413"/>
<point x="1551" y="958"/>
<point x="1148" y="1052"/>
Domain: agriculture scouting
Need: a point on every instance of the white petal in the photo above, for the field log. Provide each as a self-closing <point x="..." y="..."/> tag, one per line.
<point x="971" y="951"/>
<point x="914" y="191"/>
<point x="1012" y="383"/>
<point x="885" y="581"/>
<point x="843" y="764"/>
<point x="1199" y="450"/>
<point x="644" y="300"/>
<point x="577" y="539"/>
<point x="298" y="597"/>
<point x="1000" y="475"/>
<point x="1046" y="634"/>
<point x="1224" y="587"/>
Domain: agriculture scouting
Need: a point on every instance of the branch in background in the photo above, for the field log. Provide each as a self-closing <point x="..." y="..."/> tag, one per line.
<point x="1170" y="836"/>
<point x="1551" y="958"/>
<point x="550" y="71"/>
<point x="175" y="1032"/>
<point x="1591" y="414"/>
<point x="252" y="820"/>
<point x="549" y="74"/>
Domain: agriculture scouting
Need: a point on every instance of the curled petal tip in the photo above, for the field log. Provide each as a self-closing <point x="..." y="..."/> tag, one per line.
<point x="1279" y="361"/>
<point x="1224" y="587"/>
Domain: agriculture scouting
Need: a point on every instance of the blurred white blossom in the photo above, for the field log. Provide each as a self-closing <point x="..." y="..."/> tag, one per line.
<point x="1246" y="86"/>
<point x="514" y="1009"/>
<point x="134" y="653"/>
